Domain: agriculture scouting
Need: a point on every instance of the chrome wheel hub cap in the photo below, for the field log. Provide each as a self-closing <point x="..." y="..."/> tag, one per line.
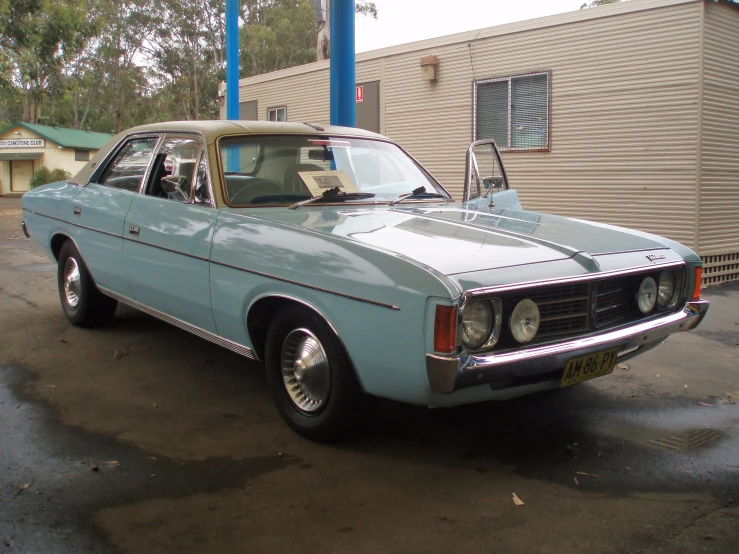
<point x="72" y="283"/>
<point x="305" y="370"/>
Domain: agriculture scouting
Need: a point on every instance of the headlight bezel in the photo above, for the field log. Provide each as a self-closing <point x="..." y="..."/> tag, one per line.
<point x="493" y="335"/>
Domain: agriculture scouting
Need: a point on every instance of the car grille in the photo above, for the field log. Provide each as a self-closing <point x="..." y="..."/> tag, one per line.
<point x="577" y="308"/>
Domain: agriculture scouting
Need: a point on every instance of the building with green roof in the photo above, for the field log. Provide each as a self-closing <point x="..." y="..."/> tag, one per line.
<point x="26" y="147"/>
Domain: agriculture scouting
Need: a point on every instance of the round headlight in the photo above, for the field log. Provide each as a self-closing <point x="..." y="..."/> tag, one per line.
<point x="666" y="291"/>
<point x="647" y="295"/>
<point x="525" y="320"/>
<point x="477" y="323"/>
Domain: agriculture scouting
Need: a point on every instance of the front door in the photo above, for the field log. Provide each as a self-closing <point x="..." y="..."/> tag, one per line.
<point x="21" y="173"/>
<point x="168" y="236"/>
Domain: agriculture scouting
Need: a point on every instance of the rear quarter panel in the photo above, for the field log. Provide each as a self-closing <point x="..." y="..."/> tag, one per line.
<point x="47" y="210"/>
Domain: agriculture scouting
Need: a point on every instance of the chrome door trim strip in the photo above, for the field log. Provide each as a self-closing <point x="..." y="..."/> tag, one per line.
<point x="96" y="230"/>
<point x="193" y="256"/>
<point x="202" y="333"/>
<point x="47" y="216"/>
<point x="307" y="286"/>
<point x="484" y="291"/>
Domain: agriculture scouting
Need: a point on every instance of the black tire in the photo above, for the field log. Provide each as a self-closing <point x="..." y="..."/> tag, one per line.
<point x="83" y="304"/>
<point x="337" y="415"/>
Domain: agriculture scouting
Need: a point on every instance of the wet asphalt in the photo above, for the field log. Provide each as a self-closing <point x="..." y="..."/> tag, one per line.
<point x="175" y="448"/>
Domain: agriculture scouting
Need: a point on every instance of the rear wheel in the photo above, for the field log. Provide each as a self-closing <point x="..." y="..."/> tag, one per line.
<point x="311" y="377"/>
<point x="83" y="304"/>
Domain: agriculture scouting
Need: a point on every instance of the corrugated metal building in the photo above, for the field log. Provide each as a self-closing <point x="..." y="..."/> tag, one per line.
<point x="626" y="113"/>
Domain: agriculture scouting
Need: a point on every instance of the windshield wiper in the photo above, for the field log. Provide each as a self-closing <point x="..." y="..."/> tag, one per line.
<point x="420" y="192"/>
<point x="332" y="194"/>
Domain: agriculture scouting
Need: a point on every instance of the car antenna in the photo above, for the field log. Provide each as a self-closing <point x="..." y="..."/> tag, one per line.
<point x="316" y="127"/>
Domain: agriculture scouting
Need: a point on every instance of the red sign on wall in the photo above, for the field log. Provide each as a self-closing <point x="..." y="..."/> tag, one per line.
<point x="360" y="94"/>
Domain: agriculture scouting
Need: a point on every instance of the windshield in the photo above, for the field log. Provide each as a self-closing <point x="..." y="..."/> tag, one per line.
<point x="279" y="170"/>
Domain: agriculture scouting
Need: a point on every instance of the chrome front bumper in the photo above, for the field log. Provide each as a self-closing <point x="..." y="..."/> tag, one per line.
<point x="545" y="363"/>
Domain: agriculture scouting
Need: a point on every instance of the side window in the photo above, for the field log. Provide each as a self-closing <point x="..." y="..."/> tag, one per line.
<point x="128" y="167"/>
<point x="202" y="192"/>
<point x="176" y="159"/>
<point x="278" y="113"/>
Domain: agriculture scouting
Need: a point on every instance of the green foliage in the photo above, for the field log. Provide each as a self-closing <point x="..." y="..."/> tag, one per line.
<point x="107" y="65"/>
<point x="282" y="34"/>
<point x="44" y="176"/>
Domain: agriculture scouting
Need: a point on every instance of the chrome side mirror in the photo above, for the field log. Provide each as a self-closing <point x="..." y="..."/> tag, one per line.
<point x="172" y="184"/>
<point x="484" y="171"/>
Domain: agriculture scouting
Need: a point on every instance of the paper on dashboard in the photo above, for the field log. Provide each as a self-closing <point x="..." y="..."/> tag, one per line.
<point x="319" y="182"/>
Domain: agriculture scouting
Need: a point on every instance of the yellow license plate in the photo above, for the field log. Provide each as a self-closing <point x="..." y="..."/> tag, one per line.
<point x="583" y="368"/>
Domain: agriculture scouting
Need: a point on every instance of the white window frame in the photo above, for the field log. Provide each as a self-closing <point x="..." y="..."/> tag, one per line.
<point x="275" y="110"/>
<point x="509" y="79"/>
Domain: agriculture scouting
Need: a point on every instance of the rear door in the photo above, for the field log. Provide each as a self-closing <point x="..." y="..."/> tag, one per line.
<point x="167" y="240"/>
<point x="99" y="211"/>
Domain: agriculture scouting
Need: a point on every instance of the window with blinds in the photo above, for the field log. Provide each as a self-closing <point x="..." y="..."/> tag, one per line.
<point x="514" y="111"/>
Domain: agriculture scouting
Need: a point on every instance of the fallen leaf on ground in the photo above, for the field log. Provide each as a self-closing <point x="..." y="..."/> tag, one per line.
<point x="593" y="475"/>
<point x="21" y="488"/>
<point x="118" y="354"/>
<point x="623" y="366"/>
<point x="629" y="469"/>
<point x="152" y="476"/>
<point x="516" y="500"/>
<point x="112" y="463"/>
<point x="65" y="342"/>
<point x="93" y="465"/>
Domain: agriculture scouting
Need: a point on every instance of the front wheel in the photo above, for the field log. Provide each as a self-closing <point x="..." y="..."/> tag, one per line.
<point x="83" y="304"/>
<point x="311" y="377"/>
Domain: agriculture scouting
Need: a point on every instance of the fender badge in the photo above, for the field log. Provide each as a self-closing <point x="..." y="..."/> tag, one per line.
<point x="652" y="257"/>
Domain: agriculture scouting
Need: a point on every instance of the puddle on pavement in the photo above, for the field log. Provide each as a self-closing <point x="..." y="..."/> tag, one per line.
<point x="52" y="514"/>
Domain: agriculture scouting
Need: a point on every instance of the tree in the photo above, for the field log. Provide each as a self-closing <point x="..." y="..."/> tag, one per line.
<point x="38" y="37"/>
<point x="323" y="32"/>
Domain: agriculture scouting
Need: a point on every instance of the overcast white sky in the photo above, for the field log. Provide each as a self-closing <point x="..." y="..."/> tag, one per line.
<point x="402" y="21"/>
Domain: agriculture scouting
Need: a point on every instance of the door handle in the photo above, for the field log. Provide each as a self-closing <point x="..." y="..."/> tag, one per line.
<point x="77" y="211"/>
<point x="133" y="230"/>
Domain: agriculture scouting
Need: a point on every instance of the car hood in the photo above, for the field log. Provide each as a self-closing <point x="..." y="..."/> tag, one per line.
<point x="454" y="239"/>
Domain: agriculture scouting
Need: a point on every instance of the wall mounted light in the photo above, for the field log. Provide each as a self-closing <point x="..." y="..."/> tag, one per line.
<point x="429" y="68"/>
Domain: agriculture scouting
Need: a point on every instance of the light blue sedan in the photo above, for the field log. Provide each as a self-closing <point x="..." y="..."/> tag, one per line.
<point x="332" y="256"/>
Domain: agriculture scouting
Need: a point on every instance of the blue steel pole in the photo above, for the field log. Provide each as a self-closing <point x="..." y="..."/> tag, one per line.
<point x="343" y="100"/>
<point x="232" y="59"/>
<point x="232" y="75"/>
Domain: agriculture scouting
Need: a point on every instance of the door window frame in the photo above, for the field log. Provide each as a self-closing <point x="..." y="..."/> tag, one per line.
<point x="102" y="168"/>
<point x="203" y="154"/>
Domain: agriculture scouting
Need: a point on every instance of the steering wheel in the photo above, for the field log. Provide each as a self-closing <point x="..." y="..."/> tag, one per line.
<point x="256" y="188"/>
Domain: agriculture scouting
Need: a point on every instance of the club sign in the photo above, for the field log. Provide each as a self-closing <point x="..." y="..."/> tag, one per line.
<point x="22" y="143"/>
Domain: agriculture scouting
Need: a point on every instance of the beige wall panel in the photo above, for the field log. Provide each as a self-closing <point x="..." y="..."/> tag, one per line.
<point x="624" y="119"/>
<point x="719" y="199"/>
<point x="624" y="116"/>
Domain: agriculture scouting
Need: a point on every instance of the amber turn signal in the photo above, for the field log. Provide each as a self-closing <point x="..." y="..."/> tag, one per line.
<point x="698" y="280"/>
<point x="445" y="329"/>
